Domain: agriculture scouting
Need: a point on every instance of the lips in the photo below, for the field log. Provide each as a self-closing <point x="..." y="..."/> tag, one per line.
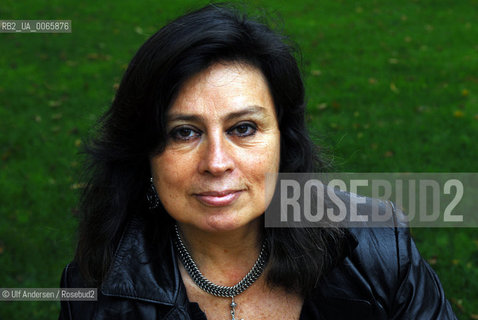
<point x="218" y="198"/>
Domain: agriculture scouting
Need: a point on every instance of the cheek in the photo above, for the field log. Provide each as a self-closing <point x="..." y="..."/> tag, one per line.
<point x="263" y="161"/>
<point x="270" y="174"/>
<point x="272" y="154"/>
<point x="168" y="174"/>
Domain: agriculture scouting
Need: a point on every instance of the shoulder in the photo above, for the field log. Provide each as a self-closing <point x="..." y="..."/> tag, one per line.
<point x="384" y="276"/>
<point x="143" y="282"/>
<point x="385" y="252"/>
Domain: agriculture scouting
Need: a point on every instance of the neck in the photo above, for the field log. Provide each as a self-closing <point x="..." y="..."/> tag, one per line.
<point x="223" y="257"/>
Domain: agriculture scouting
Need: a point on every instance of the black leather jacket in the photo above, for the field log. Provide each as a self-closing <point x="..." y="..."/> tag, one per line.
<point x="383" y="277"/>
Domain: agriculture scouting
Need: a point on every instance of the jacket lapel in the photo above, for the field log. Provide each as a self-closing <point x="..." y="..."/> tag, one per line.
<point x="136" y="274"/>
<point x="343" y="293"/>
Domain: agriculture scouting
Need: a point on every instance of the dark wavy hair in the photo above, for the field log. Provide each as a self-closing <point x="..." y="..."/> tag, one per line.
<point x="133" y="129"/>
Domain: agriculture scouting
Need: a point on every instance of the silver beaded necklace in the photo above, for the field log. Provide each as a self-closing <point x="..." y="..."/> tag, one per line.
<point x="214" y="289"/>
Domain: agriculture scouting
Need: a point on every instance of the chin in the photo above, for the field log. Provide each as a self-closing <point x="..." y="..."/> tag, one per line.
<point x="224" y="223"/>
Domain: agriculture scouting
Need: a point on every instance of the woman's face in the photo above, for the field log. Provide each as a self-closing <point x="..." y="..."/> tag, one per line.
<point x="223" y="137"/>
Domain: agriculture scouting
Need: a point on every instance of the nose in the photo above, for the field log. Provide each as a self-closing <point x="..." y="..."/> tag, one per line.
<point x="216" y="157"/>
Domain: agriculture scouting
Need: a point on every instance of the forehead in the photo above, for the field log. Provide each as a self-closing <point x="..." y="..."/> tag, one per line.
<point x="223" y="87"/>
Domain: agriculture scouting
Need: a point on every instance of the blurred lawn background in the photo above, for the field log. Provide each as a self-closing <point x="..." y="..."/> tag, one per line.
<point x="392" y="86"/>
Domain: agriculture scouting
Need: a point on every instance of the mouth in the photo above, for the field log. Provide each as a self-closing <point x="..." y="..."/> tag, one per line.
<point x="218" y="198"/>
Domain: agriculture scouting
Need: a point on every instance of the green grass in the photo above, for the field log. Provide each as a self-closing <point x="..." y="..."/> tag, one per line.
<point x="392" y="86"/>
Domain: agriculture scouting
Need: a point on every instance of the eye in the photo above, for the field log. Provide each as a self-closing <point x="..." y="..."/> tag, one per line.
<point x="184" y="133"/>
<point x="243" y="130"/>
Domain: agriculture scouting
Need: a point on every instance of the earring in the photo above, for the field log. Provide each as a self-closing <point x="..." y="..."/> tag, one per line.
<point x="152" y="196"/>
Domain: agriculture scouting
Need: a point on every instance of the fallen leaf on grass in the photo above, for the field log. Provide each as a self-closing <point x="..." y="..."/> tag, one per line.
<point x="322" y="106"/>
<point x="316" y="72"/>
<point x="76" y="186"/>
<point x="394" y="88"/>
<point x="93" y="56"/>
<point x="388" y="154"/>
<point x="458" y="303"/>
<point x="458" y="114"/>
<point x="421" y="109"/>
<point x="138" y="30"/>
<point x="335" y="105"/>
<point x="56" y="116"/>
<point x="474" y="316"/>
<point x="372" y="80"/>
<point x="54" y="103"/>
<point x="465" y="92"/>
<point x="6" y="154"/>
<point x="62" y="56"/>
<point x="432" y="260"/>
<point x="98" y="56"/>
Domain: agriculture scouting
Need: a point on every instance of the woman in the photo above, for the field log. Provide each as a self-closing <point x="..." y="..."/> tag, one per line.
<point x="172" y="224"/>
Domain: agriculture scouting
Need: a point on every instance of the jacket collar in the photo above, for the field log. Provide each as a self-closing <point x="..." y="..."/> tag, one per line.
<point x="138" y="273"/>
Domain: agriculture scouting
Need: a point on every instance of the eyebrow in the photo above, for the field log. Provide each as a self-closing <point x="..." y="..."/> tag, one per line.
<point x="230" y="116"/>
